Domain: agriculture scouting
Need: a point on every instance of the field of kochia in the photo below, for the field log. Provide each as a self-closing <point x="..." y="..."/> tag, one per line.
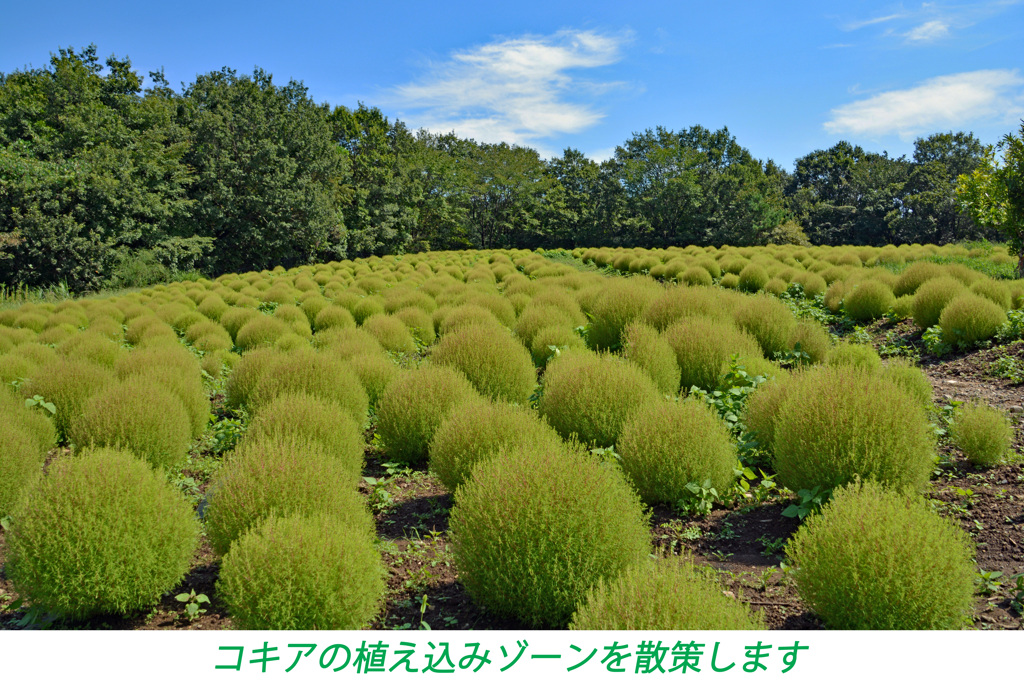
<point x="569" y="407"/>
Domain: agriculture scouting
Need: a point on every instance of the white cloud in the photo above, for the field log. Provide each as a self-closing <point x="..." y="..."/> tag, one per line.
<point x="517" y="90"/>
<point x="928" y="31"/>
<point x="944" y="102"/>
<point x="853" y="26"/>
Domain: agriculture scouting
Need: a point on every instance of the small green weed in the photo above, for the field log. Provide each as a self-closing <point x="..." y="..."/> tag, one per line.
<point x="192" y="602"/>
<point x="810" y="501"/>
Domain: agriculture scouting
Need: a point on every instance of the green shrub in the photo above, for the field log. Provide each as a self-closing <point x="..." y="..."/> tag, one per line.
<point x="752" y="278"/>
<point x="247" y="374"/>
<point x="419" y="323"/>
<point x="333" y="316"/>
<point x="932" y="297"/>
<point x="375" y="372"/>
<point x="869" y="300"/>
<point x="860" y="356"/>
<point x="535" y="318"/>
<point x="21" y="464"/>
<point x="702" y="345"/>
<point x="813" y="284"/>
<point x="213" y="307"/>
<point x="621" y="302"/>
<point x="494" y="361"/>
<point x="101" y="533"/>
<point x="346" y="343"/>
<point x="261" y="331"/>
<point x="983" y="433"/>
<point x="912" y="379"/>
<point x="473" y="432"/>
<point x="666" y="445"/>
<point x="911" y="279"/>
<point x="316" y="374"/>
<point x="234" y="319"/>
<point x="297" y="572"/>
<point x="301" y="417"/>
<point x="761" y="412"/>
<point x="669" y="594"/>
<point x="279" y="476"/>
<point x="68" y="384"/>
<point x="138" y="415"/>
<point x="878" y="559"/>
<point x="767" y="320"/>
<point x="557" y="335"/>
<point x="841" y="423"/>
<point x="677" y="303"/>
<point x="695" y="277"/>
<point x="644" y="346"/>
<point x="414" y="406"/>
<point x="968" y="319"/>
<point x="996" y="292"/>
<point x="371" y="305"/>
<point x="591" y="397"/>
<point x="730" y="281"/>
<point x="391" y="332"/>
<point x="187" y="387"/>
<point x="534" y="529"/>
<point x="813" y="339"/>
<point x="903" y="307"/>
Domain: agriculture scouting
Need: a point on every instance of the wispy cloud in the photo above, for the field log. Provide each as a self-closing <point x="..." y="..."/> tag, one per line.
<point x="931" y="21"/>
<point x="928" y="31"/>
<point x="517" y="90"/>
<point x="952" y="101"/>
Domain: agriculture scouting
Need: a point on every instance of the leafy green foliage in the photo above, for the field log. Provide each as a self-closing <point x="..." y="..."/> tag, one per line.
<point x="533" y="529"/>
<point x="808" y="502"/>
<point x="101" y="533"/>
<point x="879" y="559"/>
<point x="671" y="593"/>
<point x="299" y="572"/>
<point x="968" y="319"/>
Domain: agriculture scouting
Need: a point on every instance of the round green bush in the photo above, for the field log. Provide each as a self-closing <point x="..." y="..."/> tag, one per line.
<point x="139" y="415"/>
<point x="475" y="431"/>
<point x="560" y="336"/>
<point x="703" y="345"/>
<point x="262" y="330"/>
<point x="983" y="433"/>
<point x="695" y="277"/>
<point x="234" y="319"/>
<point x="307" y="418"/>
<point x="812" y="338"/>
<point x="996" y="292"/>
<point x="308" y="573"/>
<point x="334" y="316"/>
<point x="92" y="347"/>
<point x="841" y="423"/>
<point x="677" y="303"/>
<point x="912" y="379"/>
<point x="414" y="405"/>
<point x="667" y="445"/>
<point x="968" y="319"/>
<point x="346" y="343"/>
<point x="533" y="529"/>
<point x="102" y="533"/>
<point x="879" y="559"/>
<point x="266" y="476"/>
<point x="916" y="274"/>
<point x="67" y="383"/>
<point x="767" y="320"/>
<point x="761" y="412"/>
<point x="931" y="297"/>
<point x="752" y="278"/>
<point x="591" y="397"/>
<point x="669" y="594"/>
<point x="246" y="375"/>
<point x="316" y="374"/>
<point x="644" y="346"/>
<point x="391" y="332"/>
<point x="620" y="303"/>
<point x="493" y="360"/>
<point x="869" y="300"/>
<point x="861" y="356"/>
<point x="21" y="464"/>
<point x="419" y="323"/>
<point x="375" y="372"/>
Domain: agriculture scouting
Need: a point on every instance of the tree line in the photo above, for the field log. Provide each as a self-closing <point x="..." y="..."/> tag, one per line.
<point x="103" y="181"/>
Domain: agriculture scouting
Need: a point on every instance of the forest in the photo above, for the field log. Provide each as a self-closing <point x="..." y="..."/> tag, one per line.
<point x="112" y="179"/>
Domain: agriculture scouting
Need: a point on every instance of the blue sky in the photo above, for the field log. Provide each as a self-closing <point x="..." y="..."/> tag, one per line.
<point x="785" y="77"/>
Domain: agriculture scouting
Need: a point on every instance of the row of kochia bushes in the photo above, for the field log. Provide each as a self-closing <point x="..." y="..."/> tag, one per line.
<point x="862" y="282"/>
<point x="310" y="352"/>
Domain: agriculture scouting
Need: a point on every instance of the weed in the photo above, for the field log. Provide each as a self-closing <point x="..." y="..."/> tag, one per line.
<point x="1017" y="599"/>
<point x="381" y="500"/>
<point x="192" y="603"/>
<point x="699" y="500"/>
<point x="933" y="342"/>
<point x="38" y="401"/>
<point x="810" y="501"/>
<point x="765" y="576"/>
<point x="987" y="582"/>
<point x="772" y="546"/>
<point x="1007" y="367"/>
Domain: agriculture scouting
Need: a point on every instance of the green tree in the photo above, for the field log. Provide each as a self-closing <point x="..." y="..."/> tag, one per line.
<point x="994" y="192"/>
<point x="90" y="172"/>
<point x="267" y="172"/>
<point x="570" y="212"/>
<point x="378" y="199"/>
